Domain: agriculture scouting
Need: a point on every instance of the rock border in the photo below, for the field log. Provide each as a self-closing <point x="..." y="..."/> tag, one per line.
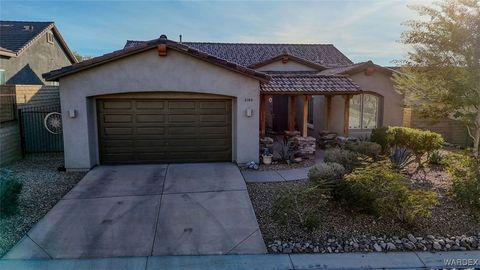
<point x="379" y="244"/>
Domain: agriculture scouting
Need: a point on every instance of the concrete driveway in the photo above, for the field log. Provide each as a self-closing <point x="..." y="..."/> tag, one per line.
<point x="148" y="210"/>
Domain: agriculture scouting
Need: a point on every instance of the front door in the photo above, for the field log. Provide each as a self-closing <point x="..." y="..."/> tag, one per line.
<point x="280" y="113"/>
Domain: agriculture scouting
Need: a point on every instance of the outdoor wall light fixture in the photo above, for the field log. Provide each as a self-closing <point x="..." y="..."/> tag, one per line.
<point x="72" y="113"/>
<point x="249" y="112"/>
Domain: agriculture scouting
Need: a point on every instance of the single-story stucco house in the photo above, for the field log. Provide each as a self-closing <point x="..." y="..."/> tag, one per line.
<point x="163" y="101"/>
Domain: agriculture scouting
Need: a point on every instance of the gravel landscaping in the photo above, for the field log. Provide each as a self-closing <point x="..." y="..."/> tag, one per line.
<point x="450" y="227"/>
<point x="43" y="186"/>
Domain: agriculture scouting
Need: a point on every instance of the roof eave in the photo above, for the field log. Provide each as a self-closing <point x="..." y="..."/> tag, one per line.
<point x="320" y="93"/>
<point x="7" y="53"/>
<point x="262" y="77"/>
<point x="69" y="52"/>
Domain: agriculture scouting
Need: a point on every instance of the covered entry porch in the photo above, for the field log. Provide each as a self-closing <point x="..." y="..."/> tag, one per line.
<point x="295" y="92"/>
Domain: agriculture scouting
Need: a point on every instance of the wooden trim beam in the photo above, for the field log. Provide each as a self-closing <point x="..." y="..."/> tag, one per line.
<point x="292" y="113"/>
<point x="262" y="115"/>
<point x="305" y="116"/>
<point x="346" y="114"/>
<point x="328" y="113"/>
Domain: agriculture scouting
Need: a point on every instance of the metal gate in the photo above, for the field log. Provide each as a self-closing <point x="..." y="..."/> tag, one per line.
<point x="35" y="137"/>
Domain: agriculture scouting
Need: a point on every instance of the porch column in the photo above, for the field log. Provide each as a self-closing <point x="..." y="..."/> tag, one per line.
<point x="328" y="113"/>
<point x="305" y="116"/>
<point x="346" y="114"/>
<point x="292" y="113"/>
<point x="262" y="115"/>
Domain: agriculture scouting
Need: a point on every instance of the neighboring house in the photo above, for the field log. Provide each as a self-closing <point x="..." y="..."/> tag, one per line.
<point x="165" y="101"/>
<point x="29" y="49"/>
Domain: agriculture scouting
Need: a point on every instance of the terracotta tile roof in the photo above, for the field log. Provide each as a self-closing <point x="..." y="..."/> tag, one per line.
<point x="55" y="74"/>
<point x="355" y="68"/>
<point x="309" y="84"/>
<point x="251" y="54"/>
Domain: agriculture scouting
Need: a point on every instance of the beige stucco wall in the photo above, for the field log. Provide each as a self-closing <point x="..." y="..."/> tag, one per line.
<point x="391" y="104"/>
<point x="147" y="72"/>
<point x="291" y="65"/>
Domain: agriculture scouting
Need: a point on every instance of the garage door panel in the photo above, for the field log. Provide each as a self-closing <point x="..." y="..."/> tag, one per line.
<point x="150" y="130"/>
<point x="181" y="130"/>
<point x="150" y="118"/>
<point x="150" y="143"/>
<point x="212" y="105"/>
<point x="118" y="131"/>
<point x="180" y="105"/>
<point x="179" y="118"/>
<point x="160" y="131"/>
<point x="117" y="104"/>
<point x="117" y="118"/>
<point x="118" y="143"/>
<point x="150" y="149"/>
<point x="155" y="105"/>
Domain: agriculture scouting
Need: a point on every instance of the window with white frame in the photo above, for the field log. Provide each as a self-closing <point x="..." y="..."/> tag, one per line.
<point x="50" y="37"/>
<point x="364" y="111"/>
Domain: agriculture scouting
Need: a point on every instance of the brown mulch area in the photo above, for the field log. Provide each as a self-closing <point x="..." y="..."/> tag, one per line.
<point x="448" y="217"/>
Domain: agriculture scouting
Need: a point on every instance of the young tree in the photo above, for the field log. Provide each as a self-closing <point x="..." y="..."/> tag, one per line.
<point x="441" y="74"/>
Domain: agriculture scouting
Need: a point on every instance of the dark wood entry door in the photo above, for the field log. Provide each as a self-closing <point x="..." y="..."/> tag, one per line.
<point x="164" y="130"/>
<point x="280" y="113"/>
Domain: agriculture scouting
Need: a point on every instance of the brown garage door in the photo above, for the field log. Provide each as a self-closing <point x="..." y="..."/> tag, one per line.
<point x="164" y="130"/>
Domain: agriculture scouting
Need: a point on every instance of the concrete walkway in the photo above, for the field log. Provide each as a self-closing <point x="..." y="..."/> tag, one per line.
<point x="252" y="176"/>
<point x="393" y="260"/>
<point x="148" y="210"/>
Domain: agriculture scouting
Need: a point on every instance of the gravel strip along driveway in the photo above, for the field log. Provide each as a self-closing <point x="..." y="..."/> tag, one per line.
<point x="43" y="187"/>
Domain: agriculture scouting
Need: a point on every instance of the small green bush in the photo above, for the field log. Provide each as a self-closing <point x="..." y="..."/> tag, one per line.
<point x="465" y="172"/>
<point x="326" y="175"/>
<point x="348" y="159"/>
<point x="382" y="137"/>
<point x="10" y="189"/>
<point x="369" y="149"/>
<point x="299" y="205"/>
<point x="380" y="190"/>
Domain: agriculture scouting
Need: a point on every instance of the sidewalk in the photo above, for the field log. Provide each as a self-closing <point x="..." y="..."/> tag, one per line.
<point x="252" y="176"/>
<point x="392" y="260"/>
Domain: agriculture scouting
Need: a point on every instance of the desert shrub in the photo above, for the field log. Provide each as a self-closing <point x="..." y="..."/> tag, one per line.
<point x="380" y="190"/>
<point x="435" y="158"/>
<point x="465" y="172"/>
<point x="288" y="151"/>
<point x="299" y="205"/>
<point x="369" y="149"/>
<point x="401" y="157"/>
<point x="418" y="142"/>
<point x="326" y="175"/>
<point x="10" y="189"/>
<point x="348" y="159"/>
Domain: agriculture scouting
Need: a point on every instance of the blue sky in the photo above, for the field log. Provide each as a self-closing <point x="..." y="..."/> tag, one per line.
<point x="362" y="29"/>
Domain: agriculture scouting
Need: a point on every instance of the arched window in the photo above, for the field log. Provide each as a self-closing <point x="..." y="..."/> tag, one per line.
<point x="364" y="111"/>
